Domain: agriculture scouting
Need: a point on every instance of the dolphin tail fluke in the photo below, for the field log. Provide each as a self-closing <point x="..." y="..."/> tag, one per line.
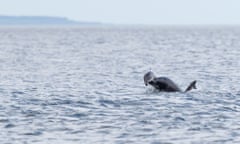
<point x="191" y="86"/>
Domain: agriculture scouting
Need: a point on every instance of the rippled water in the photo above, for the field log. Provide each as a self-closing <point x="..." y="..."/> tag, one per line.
<point x="85" y="85"/>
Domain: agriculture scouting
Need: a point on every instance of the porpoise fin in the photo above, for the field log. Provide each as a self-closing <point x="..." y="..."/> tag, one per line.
<point x="191" y="86"/>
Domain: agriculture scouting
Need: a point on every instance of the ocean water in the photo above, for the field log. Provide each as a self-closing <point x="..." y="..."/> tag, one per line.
<point x="85" y="85"/>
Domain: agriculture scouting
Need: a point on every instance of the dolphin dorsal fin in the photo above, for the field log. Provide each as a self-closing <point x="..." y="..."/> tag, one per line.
<point x="191" y="86"/>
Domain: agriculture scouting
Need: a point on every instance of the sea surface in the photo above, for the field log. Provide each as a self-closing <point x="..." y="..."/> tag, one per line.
<point x="72" y="85"/>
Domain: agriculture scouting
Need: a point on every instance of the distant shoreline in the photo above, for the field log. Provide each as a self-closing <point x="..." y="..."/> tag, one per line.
<point x="40" y="20"/>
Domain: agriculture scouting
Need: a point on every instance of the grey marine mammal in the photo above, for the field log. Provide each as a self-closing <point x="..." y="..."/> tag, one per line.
<point x="165" y="84"/>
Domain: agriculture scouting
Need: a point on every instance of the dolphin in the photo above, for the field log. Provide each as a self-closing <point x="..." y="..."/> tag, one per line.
<point x="165" y="84"/>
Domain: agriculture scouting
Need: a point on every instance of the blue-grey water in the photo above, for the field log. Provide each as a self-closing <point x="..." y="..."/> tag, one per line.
<point x="85" y="85"/>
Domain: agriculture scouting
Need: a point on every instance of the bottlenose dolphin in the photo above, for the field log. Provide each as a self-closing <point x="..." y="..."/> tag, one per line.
<point x="165" y="84"/>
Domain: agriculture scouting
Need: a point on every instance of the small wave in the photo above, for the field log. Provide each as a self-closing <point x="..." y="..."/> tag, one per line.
<point x="35" y="133"/>
<point x="107" y="103"/>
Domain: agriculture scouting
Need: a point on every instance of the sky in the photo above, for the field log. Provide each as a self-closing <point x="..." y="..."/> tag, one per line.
<point x="153" y="12"/>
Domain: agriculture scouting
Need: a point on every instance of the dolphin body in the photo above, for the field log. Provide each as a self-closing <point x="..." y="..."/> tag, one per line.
<point x="165" y="84"/>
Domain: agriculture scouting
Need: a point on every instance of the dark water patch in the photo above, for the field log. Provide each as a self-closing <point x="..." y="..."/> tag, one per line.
<point x="123" y="135"/>
<point x="238" y="93"/>
<point x="78" y="132"/>
<point x="4" y="120"/>
<point x="125" y="141"/>
<point x="195" y="129"/>
<point x="84" y="104"/>
<point x="152" y="100"/>
<point x="104" y="131"/>
<point x="108" y="127"/>
<point x="59" y="102"/>
<point x="16" y="107"/>
<point x="17" y="93"/>
<point x="62" y="129"/>
<point x="35" y="100"/>
<point x="235" y="134"/>
<point x="229" y="109"/>
<point x="32" y="89"/>
<point x="79" y="115"/>
<point x="35" y="133"/>
<point x="147" y="129"/>
<point x="179" y="119"/>
<point x="222" y="118"/>
<point x="144" y="122"/>
<point x="9" y="126"/>
<point x="31" y="113"/>
<point x="224" y="140"/>
<point x="76" y="140"/>
<point x="30" y="101"/>
<point x="145" y="135"/>
<point x="159" y="142"/>
<point x="202" y="113"/>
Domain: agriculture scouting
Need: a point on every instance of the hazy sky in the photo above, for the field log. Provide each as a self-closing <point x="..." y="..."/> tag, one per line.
<point x="130" y="11"/>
